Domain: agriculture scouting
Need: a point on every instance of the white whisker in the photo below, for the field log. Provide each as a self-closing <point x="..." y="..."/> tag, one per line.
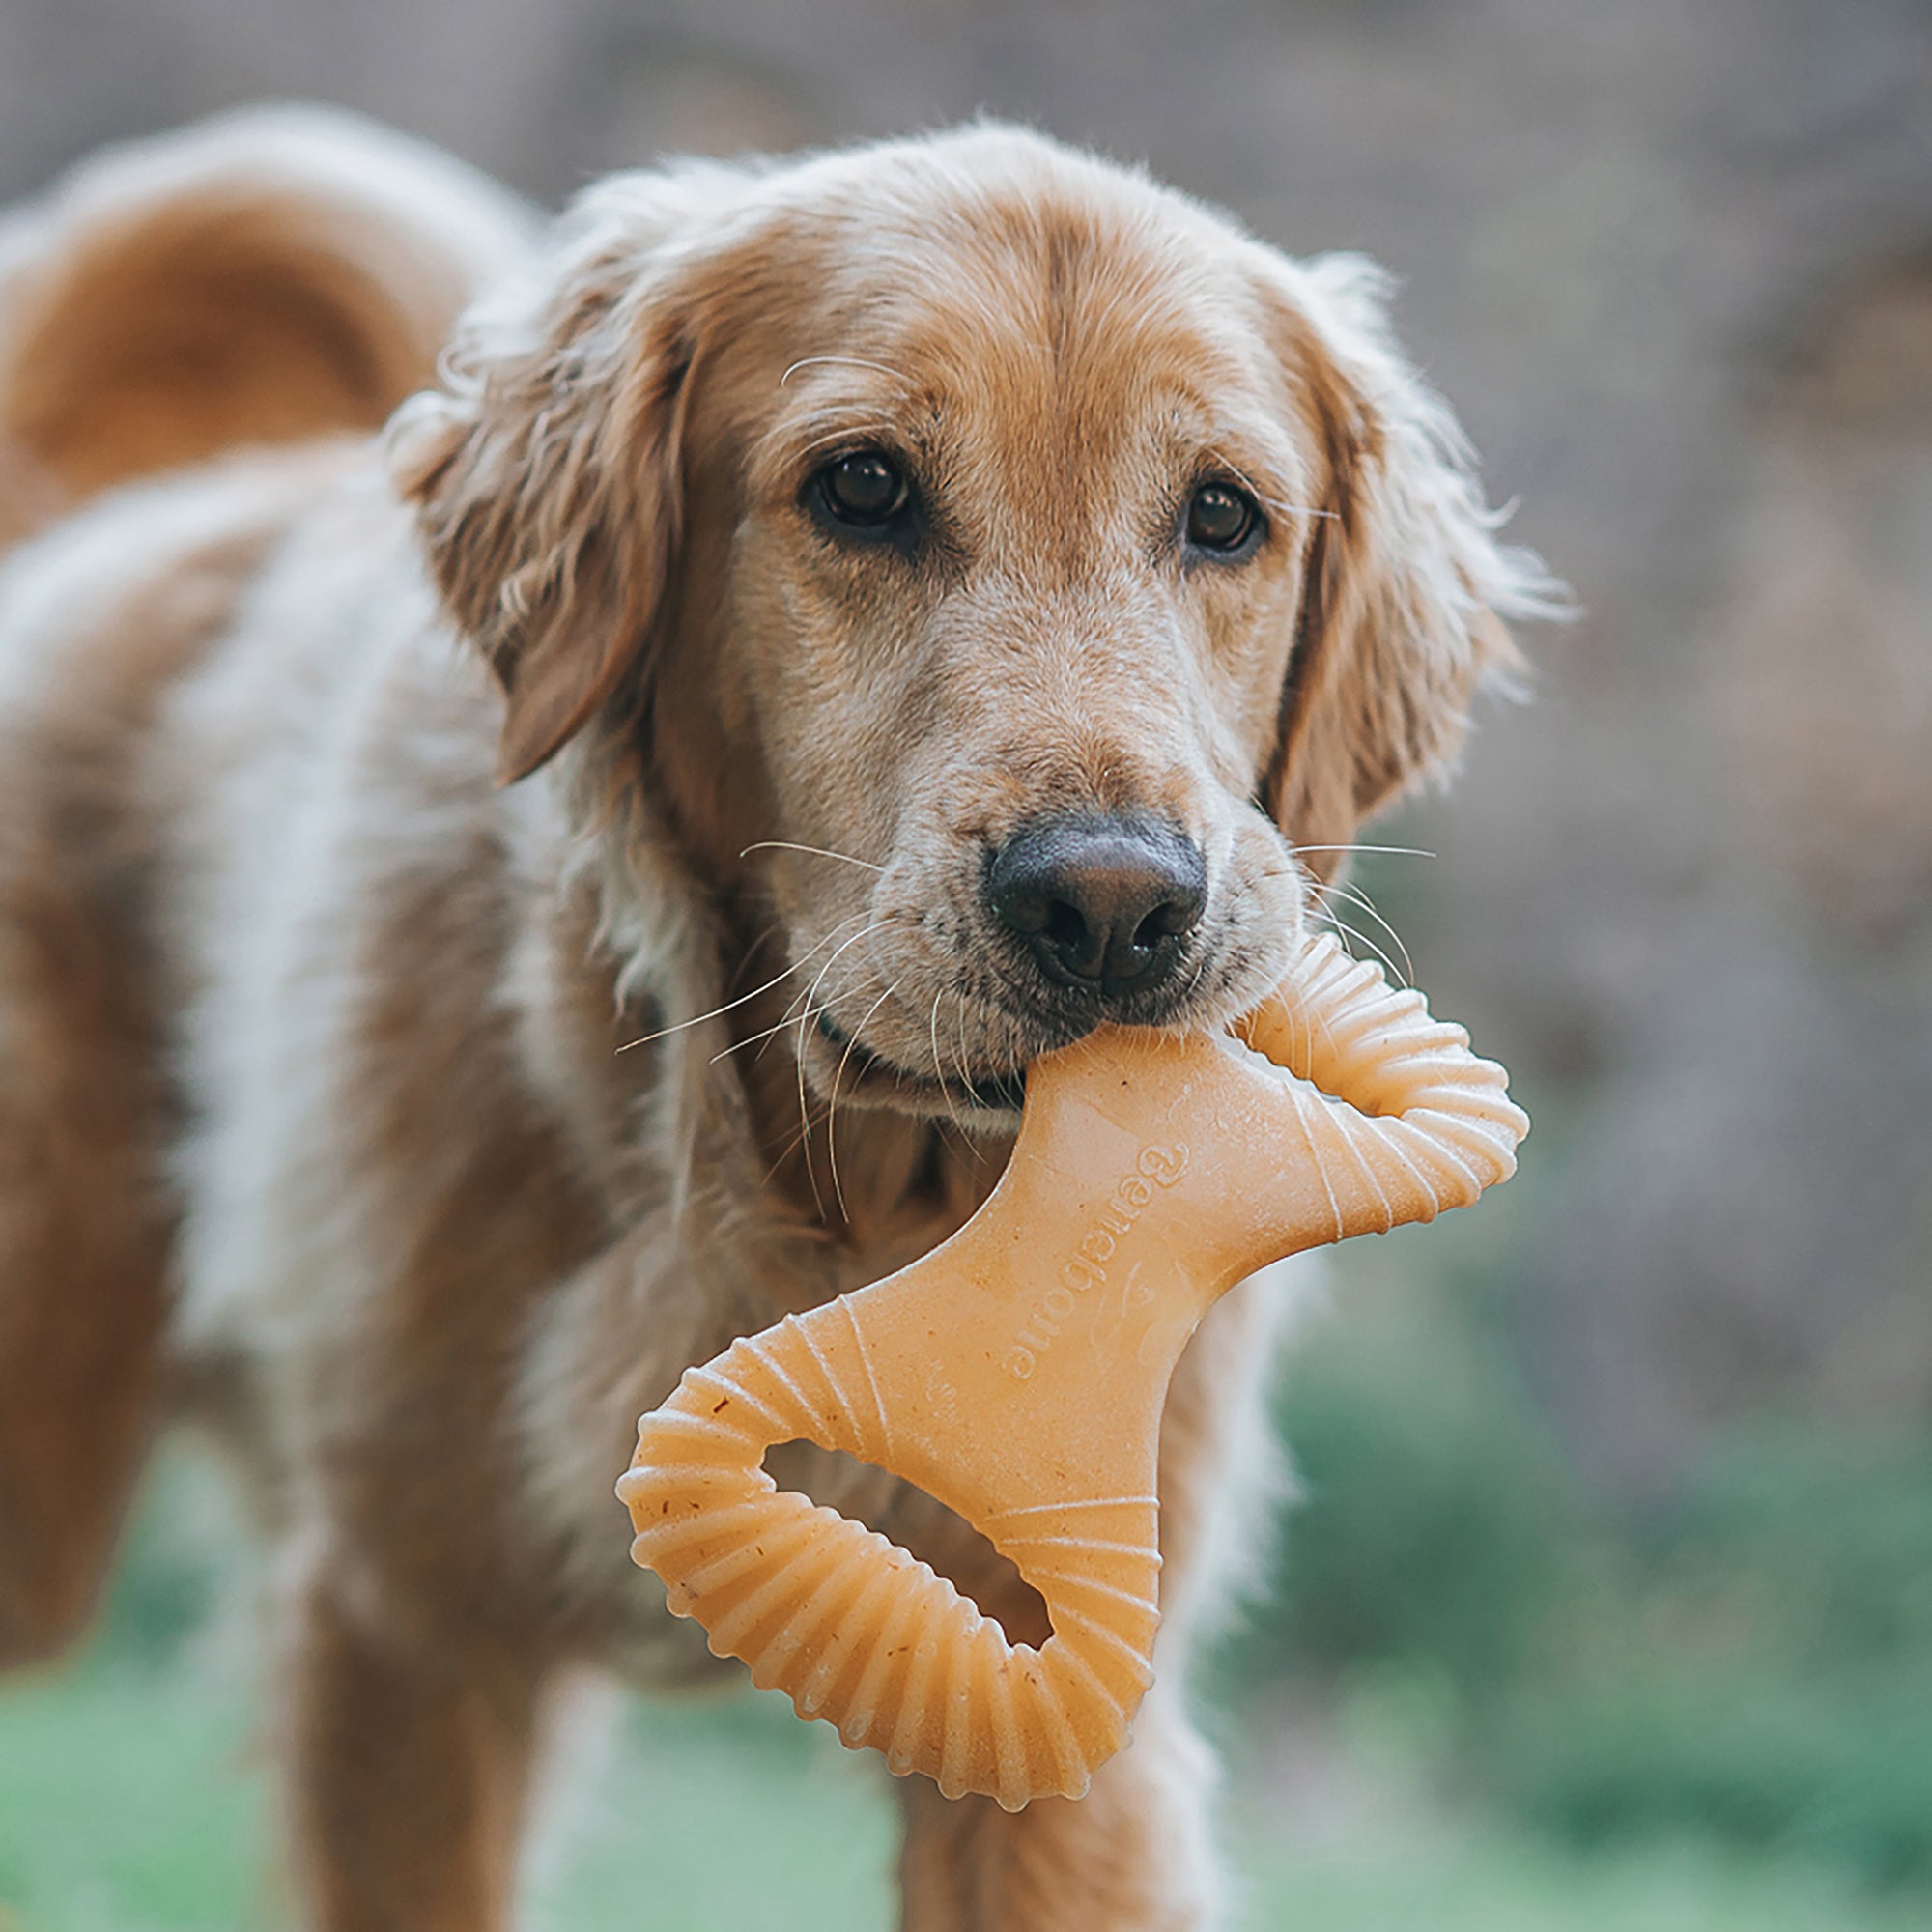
<point x="939" y="1066"/>
<point x="804" y="1019"/>
<point x="816" y="851"/>
<point x="831" y="1106"/>
<point x="751" y="1040"/>
<point x="1398" y="851"/>
<point x="965" y="1074"/>
<point x="844" y="361"/>
<point x="1341" y="924"/>
<point x="717" y="1013"/>
<point x="805" y="1120"/>
<point x="1356" y="896"/>
<point x="811" y="993"/>
<point x="1261" y="497"/>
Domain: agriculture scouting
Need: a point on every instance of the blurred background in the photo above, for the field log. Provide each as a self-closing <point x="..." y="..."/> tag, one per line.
<point x="1608" y="1598"/>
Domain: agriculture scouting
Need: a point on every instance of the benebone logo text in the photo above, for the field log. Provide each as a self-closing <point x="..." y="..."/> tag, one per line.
<point x="1086" y="1268"/>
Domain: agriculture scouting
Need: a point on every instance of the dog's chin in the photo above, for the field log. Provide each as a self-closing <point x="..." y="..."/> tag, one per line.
<point x="846" y="1070"/>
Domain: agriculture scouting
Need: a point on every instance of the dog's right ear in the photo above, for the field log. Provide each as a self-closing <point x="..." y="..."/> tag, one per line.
<point x="547" y="471"/>
<point x="1406" y="589"/>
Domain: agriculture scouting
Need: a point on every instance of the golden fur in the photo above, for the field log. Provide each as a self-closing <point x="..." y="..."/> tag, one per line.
<point x="358" y="805"/>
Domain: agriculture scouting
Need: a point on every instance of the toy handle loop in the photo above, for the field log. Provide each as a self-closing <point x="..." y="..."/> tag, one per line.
<point x="1403" y="1121"/>
<point x="854" y="1629"/>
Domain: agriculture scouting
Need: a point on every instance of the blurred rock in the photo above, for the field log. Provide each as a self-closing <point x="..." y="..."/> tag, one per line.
<point x="1825" y="658"/>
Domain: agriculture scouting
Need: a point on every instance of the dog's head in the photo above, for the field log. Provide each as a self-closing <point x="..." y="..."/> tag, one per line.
<point x="1012" y="580"/>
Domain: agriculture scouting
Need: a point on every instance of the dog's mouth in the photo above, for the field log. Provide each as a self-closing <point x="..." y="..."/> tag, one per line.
<point x="994" y="1091"/>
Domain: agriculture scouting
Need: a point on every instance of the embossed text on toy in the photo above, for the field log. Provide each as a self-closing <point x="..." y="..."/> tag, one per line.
<point x="1085" y="1268"/>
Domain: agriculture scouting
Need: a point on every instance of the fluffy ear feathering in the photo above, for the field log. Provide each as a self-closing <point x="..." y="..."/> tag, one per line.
<point x="1406" y="587"/>
<point x="546" y="469"/>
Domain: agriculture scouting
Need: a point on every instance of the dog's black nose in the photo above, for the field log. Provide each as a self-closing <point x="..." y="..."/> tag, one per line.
<point x="1103" y="902"/>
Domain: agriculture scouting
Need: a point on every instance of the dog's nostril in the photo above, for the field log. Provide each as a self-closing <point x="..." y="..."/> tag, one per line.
<point x="1065" y="925"/>
<point x="1102" y="901"/>
<point x="1167" y="922"/>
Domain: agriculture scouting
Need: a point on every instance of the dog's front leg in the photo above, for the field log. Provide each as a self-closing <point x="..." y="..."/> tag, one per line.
<point x="407" y="1760"/>
<point x="1133" y="1856"/>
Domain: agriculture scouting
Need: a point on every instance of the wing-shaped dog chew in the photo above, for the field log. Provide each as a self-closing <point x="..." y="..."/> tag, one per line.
<point x="1018" y="1373"/>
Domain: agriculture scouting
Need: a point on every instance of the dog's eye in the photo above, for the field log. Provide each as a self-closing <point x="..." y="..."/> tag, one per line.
<point x="1223" y="519"/>
<point x="864" y="491"/>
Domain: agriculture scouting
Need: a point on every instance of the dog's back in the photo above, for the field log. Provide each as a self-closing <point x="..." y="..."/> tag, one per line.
<point x="260" y="283"/>
<point x="267" y="276"/>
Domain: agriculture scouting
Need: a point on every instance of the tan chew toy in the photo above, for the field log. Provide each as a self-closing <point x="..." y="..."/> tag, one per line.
<point x="1018" y="1372"/>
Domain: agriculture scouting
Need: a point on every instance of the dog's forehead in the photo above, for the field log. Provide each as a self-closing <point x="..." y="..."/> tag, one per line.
<point x="1033" y="314"/>
<point x="992" y="288"/>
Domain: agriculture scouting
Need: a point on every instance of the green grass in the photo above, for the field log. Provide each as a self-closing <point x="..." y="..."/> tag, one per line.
<point x="717" y="1819"/>
<point x="1516" y="1716"/>
<point x="1489" y="1881"/>
<point x="126" y="1803"/>
<point x="129" y="1802"/>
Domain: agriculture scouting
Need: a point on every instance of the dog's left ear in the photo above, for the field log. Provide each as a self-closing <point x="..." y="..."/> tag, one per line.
<point x="1405" y="588"/>
<point x="547" y="469"/>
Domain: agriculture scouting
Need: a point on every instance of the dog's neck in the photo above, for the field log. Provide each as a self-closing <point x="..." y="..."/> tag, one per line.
<point x="879" y="1183"/>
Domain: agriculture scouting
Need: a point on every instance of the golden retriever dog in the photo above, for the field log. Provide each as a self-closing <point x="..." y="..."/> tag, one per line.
<point x="490" y="912"/>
